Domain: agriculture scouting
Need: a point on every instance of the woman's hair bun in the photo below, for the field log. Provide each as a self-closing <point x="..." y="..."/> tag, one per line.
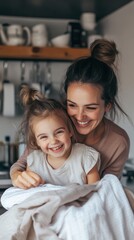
<point x="104" y="50"/>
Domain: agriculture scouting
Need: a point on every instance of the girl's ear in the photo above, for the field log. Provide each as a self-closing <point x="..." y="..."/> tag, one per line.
<point x="108" y="107"/>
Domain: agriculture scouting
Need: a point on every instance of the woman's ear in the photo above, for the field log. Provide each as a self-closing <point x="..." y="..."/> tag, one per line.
<point x="108" y="107"/>
<point x="70" y="134"/>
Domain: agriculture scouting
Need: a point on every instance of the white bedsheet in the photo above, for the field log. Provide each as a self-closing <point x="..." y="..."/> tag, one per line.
<point x="89" y="212"/>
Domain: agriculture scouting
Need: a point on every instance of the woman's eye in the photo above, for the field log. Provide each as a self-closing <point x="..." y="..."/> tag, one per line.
<point x="91" y="108"/>
<point x="71" y="105"/>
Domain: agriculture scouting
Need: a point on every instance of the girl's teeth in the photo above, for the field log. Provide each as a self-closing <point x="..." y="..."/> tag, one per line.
<point x="56" y="148"/>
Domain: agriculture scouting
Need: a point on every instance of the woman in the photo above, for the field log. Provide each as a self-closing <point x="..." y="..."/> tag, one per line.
<point x="91" y="90"/>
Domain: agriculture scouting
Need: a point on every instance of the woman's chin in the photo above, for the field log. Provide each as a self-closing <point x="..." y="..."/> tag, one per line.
<point x="82" y="130"/>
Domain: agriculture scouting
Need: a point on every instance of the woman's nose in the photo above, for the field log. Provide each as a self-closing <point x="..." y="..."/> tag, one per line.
<point x="80" y="114"/>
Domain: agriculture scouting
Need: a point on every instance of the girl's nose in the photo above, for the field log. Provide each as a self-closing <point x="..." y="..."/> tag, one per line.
<point x="52" y="140"/>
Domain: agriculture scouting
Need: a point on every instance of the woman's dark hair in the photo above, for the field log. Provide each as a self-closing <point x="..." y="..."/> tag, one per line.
<point x="37" y="106"/>
<point x="98" y="69"/>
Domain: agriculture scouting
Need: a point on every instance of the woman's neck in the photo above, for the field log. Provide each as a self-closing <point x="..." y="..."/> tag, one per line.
<point x="93" y="137"/>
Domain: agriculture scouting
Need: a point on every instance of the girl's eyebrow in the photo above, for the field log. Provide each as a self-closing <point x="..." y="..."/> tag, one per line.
<point x="90" y="104"/>
<point x="57" y="129"/>
<point x="41" y="134"/>
<point x="60" y="128"/>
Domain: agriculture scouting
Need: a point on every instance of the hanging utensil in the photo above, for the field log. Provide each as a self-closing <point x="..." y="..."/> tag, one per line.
<point x="23" y="67"/>
<point x="36" y="84"/>
<point x="1" y="89"/>
<point x="19" y="107"/>
<point x="48" y="85"/>
<point x="8" y="94"/>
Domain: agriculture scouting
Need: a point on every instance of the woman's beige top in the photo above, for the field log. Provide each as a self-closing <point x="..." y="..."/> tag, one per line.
<point x="113" y="148"/>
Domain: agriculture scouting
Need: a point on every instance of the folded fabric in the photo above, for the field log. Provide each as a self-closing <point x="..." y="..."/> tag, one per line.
<point x="90" y="212"/>
<point x="14" y="195"/>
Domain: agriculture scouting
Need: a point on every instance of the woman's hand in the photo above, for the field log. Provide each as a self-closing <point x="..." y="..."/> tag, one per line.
<point x="26" y="179"/>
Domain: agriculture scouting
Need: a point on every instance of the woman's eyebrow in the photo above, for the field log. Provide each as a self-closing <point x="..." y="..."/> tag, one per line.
<point x="70" y="101"/>
<point x="89" y="104"/>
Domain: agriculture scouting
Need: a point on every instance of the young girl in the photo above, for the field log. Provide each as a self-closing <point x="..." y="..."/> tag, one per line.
<point x="49" y="133"/>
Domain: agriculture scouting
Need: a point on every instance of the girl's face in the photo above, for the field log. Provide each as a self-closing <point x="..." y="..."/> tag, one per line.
<point x="53" y="136"/>
<point x="85" y="106"/>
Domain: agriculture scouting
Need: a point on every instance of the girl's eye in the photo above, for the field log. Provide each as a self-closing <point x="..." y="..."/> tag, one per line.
<point x="43" y="137"/>
<point x="59" y="132"/>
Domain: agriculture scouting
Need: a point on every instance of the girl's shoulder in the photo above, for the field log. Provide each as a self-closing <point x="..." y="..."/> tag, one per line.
<point x="83" y="149"/>
<point x="35" y="156"/>
<point x="87" y="156"/>
<point x="35" y="153"/>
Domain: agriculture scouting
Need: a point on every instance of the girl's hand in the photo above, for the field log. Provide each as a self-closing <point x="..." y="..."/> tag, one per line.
<point x="26" y="179"/>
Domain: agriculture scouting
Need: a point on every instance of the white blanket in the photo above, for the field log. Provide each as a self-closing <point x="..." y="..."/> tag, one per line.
<point x="89" y="212"/>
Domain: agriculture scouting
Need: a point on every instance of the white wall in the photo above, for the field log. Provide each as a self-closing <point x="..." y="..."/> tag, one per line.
<point x="118" y="26"/>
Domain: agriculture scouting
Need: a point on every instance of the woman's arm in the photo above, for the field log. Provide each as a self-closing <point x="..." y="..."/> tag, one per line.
<point x="22" y="177"/>
<point x="93" y="175"/>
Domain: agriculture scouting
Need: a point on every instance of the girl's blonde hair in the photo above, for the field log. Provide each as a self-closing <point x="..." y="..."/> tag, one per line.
<point x="37" y="106"/>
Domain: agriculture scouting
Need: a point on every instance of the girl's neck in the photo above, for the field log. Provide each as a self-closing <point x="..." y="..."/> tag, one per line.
<point x="55" y="163"/>
<point x="95" y="136"/>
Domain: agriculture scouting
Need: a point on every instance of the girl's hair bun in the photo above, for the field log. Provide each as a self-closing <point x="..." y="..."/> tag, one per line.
<point x="104" y="50"/>
<point x="28" y="95"/>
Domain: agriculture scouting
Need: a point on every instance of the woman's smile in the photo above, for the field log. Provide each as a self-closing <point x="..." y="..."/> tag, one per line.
<point x="83" y="123"/>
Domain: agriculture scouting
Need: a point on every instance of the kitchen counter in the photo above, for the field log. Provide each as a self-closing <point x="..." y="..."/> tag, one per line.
<point x="129" y="183"/>
<point x="128" y="175"/>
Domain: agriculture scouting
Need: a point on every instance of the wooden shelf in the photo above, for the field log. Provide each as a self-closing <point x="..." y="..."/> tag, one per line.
<point x="46" y="53"/>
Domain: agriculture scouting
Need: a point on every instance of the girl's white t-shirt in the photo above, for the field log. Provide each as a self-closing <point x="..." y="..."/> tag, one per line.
<point x="74" y="170"/>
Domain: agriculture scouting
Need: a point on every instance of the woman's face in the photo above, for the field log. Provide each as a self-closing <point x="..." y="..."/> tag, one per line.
<point x="85" y="106"/>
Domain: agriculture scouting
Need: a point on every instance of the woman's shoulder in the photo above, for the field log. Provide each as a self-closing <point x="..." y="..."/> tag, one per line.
<point x="113" y="127"/>
<point x="114" y="131"/>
